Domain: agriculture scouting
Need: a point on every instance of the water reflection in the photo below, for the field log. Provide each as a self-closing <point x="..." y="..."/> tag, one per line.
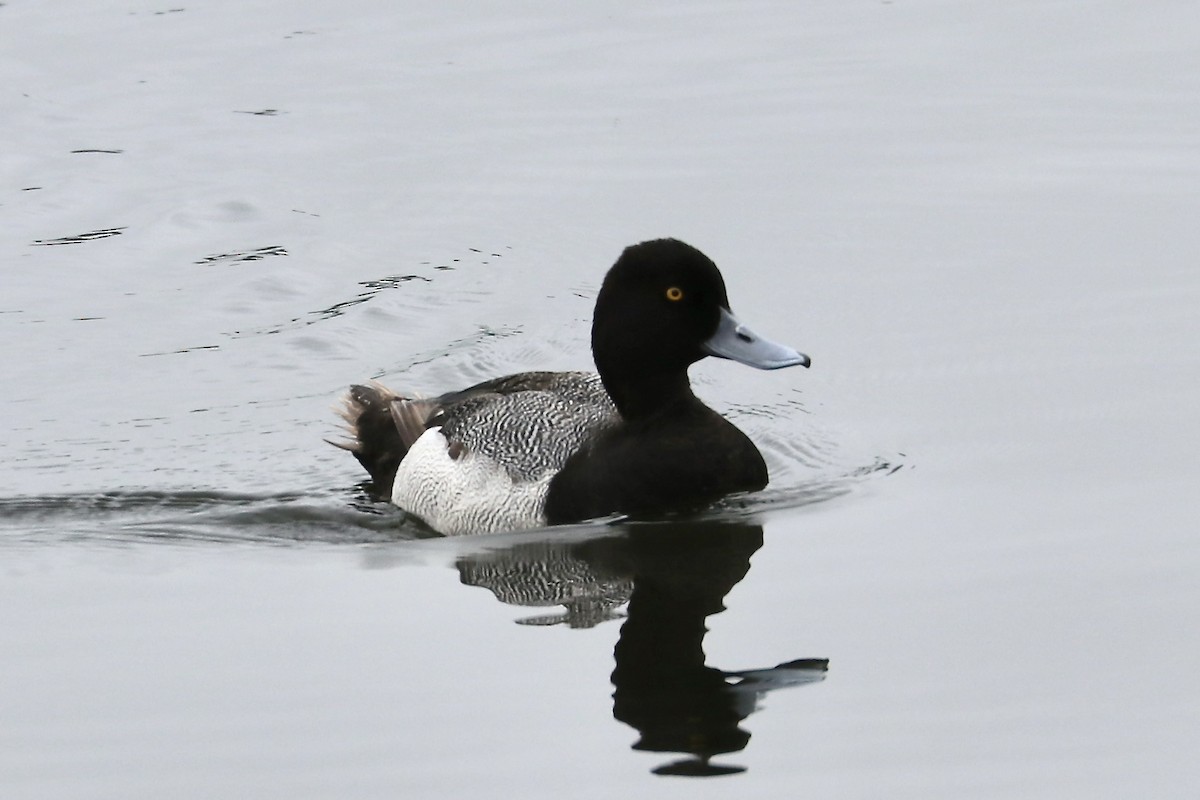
<point x="672" y="576"/>
<point x="550" y="574"/>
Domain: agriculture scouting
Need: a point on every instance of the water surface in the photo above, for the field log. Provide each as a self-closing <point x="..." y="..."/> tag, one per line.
<point x="978" y="221"/>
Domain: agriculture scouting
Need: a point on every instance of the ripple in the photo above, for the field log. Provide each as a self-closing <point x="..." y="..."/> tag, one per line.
<point x="80" y="238"/>
<point x="200" y="516"/>
<point x="243" y="256"/>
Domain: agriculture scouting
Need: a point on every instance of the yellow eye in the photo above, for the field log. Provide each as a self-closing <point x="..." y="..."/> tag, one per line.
<point x="674" y="294"/>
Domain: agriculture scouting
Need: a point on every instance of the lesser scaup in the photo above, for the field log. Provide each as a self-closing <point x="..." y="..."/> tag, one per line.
<point x="542" y="448"/>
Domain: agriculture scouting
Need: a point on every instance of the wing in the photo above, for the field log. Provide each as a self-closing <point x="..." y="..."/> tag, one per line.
<point x="528" y="423"/>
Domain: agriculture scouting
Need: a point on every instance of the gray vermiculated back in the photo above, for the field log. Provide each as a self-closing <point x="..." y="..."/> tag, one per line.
<point x="533" y="423"/>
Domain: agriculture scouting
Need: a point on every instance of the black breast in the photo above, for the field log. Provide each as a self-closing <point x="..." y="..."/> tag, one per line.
<point x="681" y="458"/>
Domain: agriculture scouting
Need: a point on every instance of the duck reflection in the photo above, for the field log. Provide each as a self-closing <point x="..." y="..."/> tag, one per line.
<point x="672" y="576"/>
<point x="550" y="573"/>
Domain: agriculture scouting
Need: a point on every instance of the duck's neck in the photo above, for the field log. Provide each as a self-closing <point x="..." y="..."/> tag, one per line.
<point x="639" y="397"/>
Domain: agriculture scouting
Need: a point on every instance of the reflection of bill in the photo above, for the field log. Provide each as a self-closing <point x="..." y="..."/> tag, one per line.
<point x="673" y="576"/>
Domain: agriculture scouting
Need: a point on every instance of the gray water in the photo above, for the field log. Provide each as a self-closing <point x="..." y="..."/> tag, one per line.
<point x="979" y="221"/>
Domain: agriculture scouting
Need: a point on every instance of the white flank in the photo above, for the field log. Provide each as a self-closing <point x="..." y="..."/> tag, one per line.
<point x="471" y="494"/>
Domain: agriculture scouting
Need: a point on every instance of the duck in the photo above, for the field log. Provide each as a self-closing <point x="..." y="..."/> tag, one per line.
<point x="538" y="449"/>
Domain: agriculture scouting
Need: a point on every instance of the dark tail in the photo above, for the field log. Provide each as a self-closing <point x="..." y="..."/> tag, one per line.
<point x="382" y="426"/>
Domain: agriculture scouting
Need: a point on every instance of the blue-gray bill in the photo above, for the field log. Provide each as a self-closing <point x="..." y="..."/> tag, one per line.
<point x="735" y="341"/>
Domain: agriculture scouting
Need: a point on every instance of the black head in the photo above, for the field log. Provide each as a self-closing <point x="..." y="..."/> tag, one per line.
<point x="663" y="307"/>
<point x="658" y="305"/>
